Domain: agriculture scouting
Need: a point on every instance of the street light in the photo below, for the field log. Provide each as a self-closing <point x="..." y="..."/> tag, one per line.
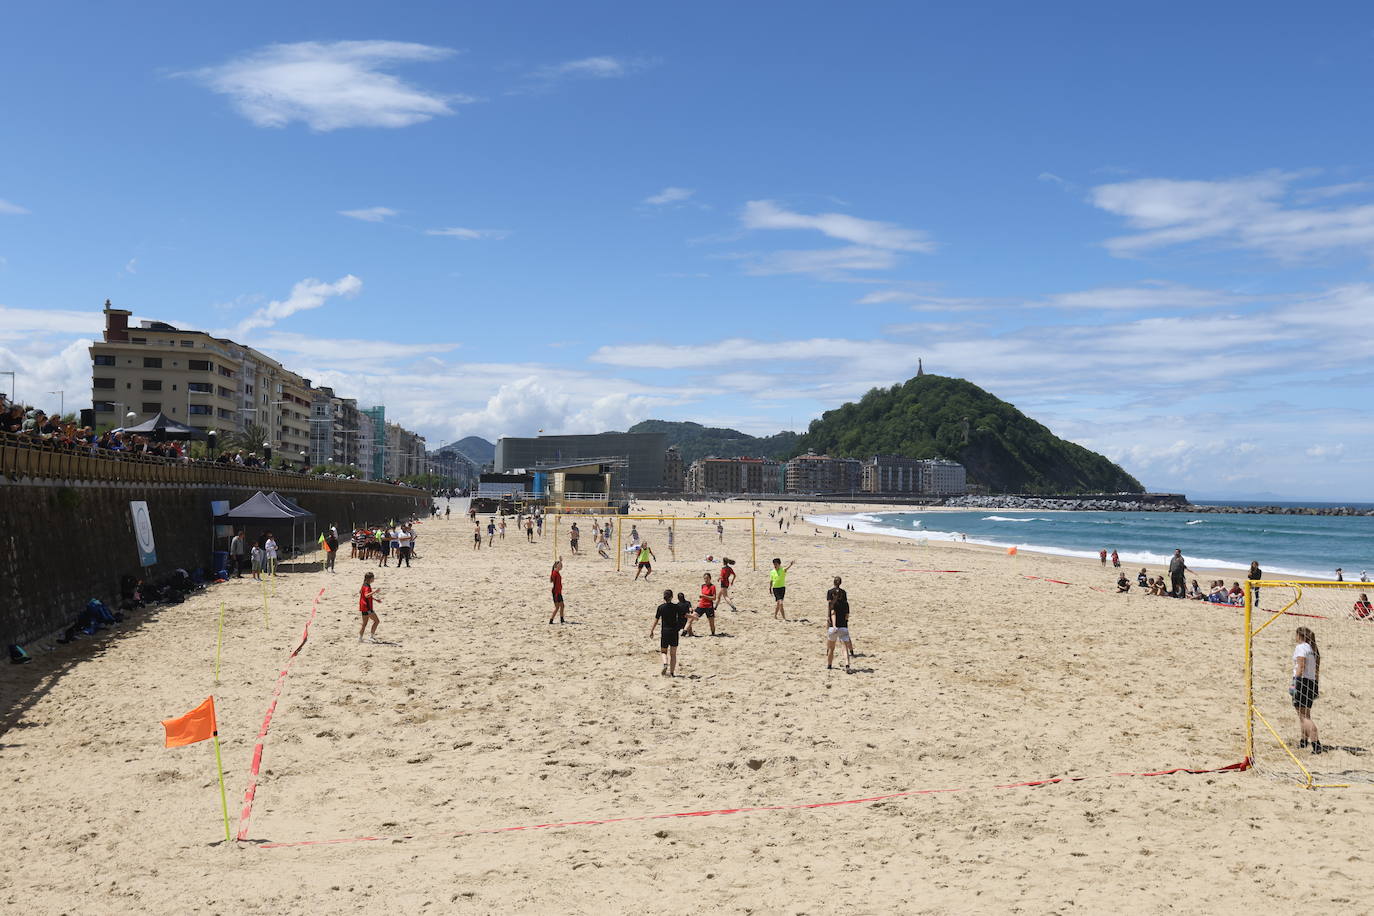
<point x="11" y="375"/>
<point x="61" y="400"/>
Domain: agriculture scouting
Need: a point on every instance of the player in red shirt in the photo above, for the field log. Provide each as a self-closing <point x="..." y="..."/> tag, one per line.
<point x="706" y="606"/>
<point x="366" y="596"/>
<point x="727" y="577"/>
<point x="556" y="577"/>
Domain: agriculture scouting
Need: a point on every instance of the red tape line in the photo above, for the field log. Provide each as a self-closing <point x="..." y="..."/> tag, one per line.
<point x="930" y="570"/>
<point x="251" y="792"/>
<point x="1053" y="780"/>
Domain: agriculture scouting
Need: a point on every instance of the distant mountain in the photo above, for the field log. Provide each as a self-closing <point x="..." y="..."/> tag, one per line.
<point x="475" y="448"/>
<point x="932" y="416"/>
<point x="695" y="441"/>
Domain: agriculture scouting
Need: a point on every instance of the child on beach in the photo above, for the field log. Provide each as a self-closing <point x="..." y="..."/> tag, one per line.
<point x="529" y="530"/>
<point x="727" y="577"/>
<point x="837" y="625"/>
<point x="257" y="561"/>
<point x="556" y="580"/>
<point x="1307" y="663"/>
<point x="476" y="537"/>
<point x="366" y="595"/>
<point x="1116" y="560"/>
<point x="644" y="564"/>
<point x="706" y="606"/>
<point x="667" y="617"/>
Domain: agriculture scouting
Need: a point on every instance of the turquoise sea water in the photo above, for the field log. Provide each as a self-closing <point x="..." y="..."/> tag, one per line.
<point x="1297" y="545"/>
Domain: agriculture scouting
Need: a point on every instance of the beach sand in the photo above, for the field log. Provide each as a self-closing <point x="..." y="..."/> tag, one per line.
<point x="474" y="713"/>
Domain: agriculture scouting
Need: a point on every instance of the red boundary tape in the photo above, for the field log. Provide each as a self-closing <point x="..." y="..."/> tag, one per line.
<point x="252" y="790"/>
<point x="930" y="570"/>
<point x="1053" y="780"/>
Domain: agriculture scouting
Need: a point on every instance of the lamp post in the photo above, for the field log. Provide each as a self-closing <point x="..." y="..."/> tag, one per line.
<point x="11" y="375"/>
<point x="61" y="401"/>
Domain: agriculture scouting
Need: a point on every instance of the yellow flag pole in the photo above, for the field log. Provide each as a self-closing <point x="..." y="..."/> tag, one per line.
<point x="223" y="798"/>
<point x="219" y="646"/>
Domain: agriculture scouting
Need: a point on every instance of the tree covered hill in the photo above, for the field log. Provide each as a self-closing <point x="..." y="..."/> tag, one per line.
<point x="1004" y="450"/>
<point x="695" y="441"/>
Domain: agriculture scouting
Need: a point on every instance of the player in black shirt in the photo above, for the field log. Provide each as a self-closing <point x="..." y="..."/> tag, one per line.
<point x="837" y="625"/>
<point x="669" y="618"/>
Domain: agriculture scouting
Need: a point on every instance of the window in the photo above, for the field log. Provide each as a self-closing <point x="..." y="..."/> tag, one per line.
<point x="201" y="410"/>
<point x="104" y="407"/>
<point x="104" y="359"/>
<point x="199" y="365"/>
<point x="202" y="387"/>
<point x="226" y="414"/>
<point x="152" y="384"/>
<point x="151" y="407"/>
<point x="227" y="373"/>
<point x="188" y="343"/>
<point x="152" y="362"/>
<point x="225" y="393"/>
<point x="138" y="340"/>
<point x="248" y="391"/>
<point x="102" y="383"/>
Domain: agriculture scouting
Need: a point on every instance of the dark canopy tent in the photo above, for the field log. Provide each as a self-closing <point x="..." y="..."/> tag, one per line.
<point x="263" y="511"/>
<point x="306" y="516"/>
<point x="162" y="426"/>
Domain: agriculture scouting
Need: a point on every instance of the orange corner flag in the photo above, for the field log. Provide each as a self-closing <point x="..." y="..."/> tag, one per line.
<point x="1011" y="551"/>
<point x="196" y="725"/>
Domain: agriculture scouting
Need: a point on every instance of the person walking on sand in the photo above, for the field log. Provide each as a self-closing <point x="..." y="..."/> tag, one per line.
<point x="727" y="578"/>
<point x="837" y="625"/>
<point x="529" y="530"/>
<point x="366" y="596"/>
<point x="667" y="621"/>
<point x="476" y="537"/>
<point x="720" y="531"/>
<point x="706" y="606"/>
<point x="556" y="581"/>
<point x="331" y="541"/>
<point x="1102" y="555"/>
<point x="269" y="554"/>
<point x="777" y="581"/>
<point x="491" y="532"/>
<point x="645" y="564"/>
<point x="1307" y="663"/>
<point x="1116" y="560"/>
<point x="573" y="534"/>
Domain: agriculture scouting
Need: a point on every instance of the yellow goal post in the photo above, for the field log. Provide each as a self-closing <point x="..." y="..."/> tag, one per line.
<point x="1337" y="619"/>
<point x="672" y="521"/>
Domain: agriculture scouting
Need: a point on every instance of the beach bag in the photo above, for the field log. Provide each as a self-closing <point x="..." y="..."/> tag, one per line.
<point x="18" y="656"/>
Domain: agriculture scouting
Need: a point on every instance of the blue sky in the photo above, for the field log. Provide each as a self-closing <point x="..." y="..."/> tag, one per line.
<point x="1149" y="227"/>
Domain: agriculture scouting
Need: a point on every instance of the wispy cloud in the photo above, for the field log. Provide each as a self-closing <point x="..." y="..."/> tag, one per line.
<point x="827" y="263"/>
<point x="669" y="196"/>
<point x="765" y="214"/>
<point x="344" y="351"/>
<point x="459" y="232"/>
<point x="601" y="67"/>
<point x="307" y="294"/>
<point x="1143" y="298"/>
<point x="330" y="85"/>
<point x="11" y="209"/>
<point x="369" y="214"/>
<point x="131" y="267"/>
<point x="1251" y="213"/>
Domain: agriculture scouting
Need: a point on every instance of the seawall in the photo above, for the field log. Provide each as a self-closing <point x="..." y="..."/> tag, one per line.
<point x="67" y="529"/>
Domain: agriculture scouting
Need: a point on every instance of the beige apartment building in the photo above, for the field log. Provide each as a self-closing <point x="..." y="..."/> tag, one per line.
<point x="212" y="384"/>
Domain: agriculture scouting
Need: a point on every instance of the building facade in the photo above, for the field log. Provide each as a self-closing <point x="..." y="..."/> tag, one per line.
<point x="811" y="473"/>
<point x="674" y="474"/>
<point x="214" y="384"/>
<point x="735" y="475"/>
<point x="644" y="455"/>
<point x="895" y="474"/>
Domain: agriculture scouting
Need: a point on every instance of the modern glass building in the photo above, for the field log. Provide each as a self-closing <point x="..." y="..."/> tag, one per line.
<point x="644" y="454"/>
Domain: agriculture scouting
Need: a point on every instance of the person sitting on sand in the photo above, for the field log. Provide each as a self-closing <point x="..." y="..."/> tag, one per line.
<point x="1362" y="609"/>
<point x="1195" y="593"/>
<point x="1123" y="584"/>
<point x="1236" y="595"/>
<point x="1142" y="579"/>
<point x="666" y="617"/>
<point x="1217" y="594"/>
<point x="1158" y="588"/>
<point x="706" y="606"/>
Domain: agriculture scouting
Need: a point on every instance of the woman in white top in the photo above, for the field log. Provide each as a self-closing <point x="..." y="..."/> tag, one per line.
<point x="1307" y="663"/>
<point x="269" y="549"/>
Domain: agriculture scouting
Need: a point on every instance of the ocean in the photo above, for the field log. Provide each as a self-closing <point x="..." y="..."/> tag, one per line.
<point x="1285" y="545"/>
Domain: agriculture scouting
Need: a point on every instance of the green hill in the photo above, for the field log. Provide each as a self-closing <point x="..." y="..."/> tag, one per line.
<point x="695" y="441"/>
<point x="1005" y="450"/>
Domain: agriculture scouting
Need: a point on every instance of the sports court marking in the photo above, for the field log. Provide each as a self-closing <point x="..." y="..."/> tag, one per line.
<point x="1053" y="780"/>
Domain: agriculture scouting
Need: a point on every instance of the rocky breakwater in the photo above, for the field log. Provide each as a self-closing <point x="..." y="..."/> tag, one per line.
<point x="1100" y="504"/>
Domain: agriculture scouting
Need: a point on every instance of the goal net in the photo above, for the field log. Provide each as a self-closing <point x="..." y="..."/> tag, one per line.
<point x="689" y="538"/>
<point x="1337" y="620"/>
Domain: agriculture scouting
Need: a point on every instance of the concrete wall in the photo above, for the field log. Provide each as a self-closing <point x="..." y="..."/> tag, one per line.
<point x="63" y="542"/>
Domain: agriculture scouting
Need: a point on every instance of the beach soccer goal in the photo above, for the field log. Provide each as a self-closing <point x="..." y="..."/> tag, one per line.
<point x="688" y="537"/>
<point x="1337" y="619"/>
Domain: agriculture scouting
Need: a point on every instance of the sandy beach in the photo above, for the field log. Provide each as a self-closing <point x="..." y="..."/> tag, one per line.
<point x="473" y="713"/>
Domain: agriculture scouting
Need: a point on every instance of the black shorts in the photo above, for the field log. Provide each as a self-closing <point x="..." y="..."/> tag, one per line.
<point x="365" y="613"/>
<point x="667" y="638"/>
<point x="779" y="592"/>
<point x="706" y="612"/>
<point x="645" y="565"/>
<point x="1304" y="692"/>
<point x="557" y="597"/>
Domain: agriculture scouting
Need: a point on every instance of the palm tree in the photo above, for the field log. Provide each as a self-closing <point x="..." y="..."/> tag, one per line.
<point x="250" y="439"/>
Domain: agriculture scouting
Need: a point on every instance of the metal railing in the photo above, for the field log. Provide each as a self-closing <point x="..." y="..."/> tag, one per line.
<point x="30" y="457"/>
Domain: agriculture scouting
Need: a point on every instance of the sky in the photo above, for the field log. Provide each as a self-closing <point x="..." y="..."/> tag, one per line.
<point x="1148" y="226"/>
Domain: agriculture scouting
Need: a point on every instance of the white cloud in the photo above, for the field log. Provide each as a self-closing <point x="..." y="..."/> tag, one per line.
<point x="921" y="302"/>
<point x="307" y="294"/>
<point x="330" y="85"/>
<point x="1326" y="451"/>
<point x="369" y="214"/>
<point x="1249" y="213"/>
<point x="11" y="209"/>
<point x="669" y="196"/>
<point x="345" y="351"/>
<point x="867" y="233"/>
<point x="131" y="267"/>
<point x="830" y="263"/>
<point x="1152" y="296"/>
<point x="600" y="67"/>
<point x="1051" y="177"/>
<point x="458" y="232"/>
<point x="19" y="323"/>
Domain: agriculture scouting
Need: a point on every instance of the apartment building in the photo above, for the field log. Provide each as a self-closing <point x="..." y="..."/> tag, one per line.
<point x="406" y="454"/>
<point x="216" y="384"/>
<point x="812" y="473"/>
<point x="921" y="476"/>
<point x="735" y="475"/>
